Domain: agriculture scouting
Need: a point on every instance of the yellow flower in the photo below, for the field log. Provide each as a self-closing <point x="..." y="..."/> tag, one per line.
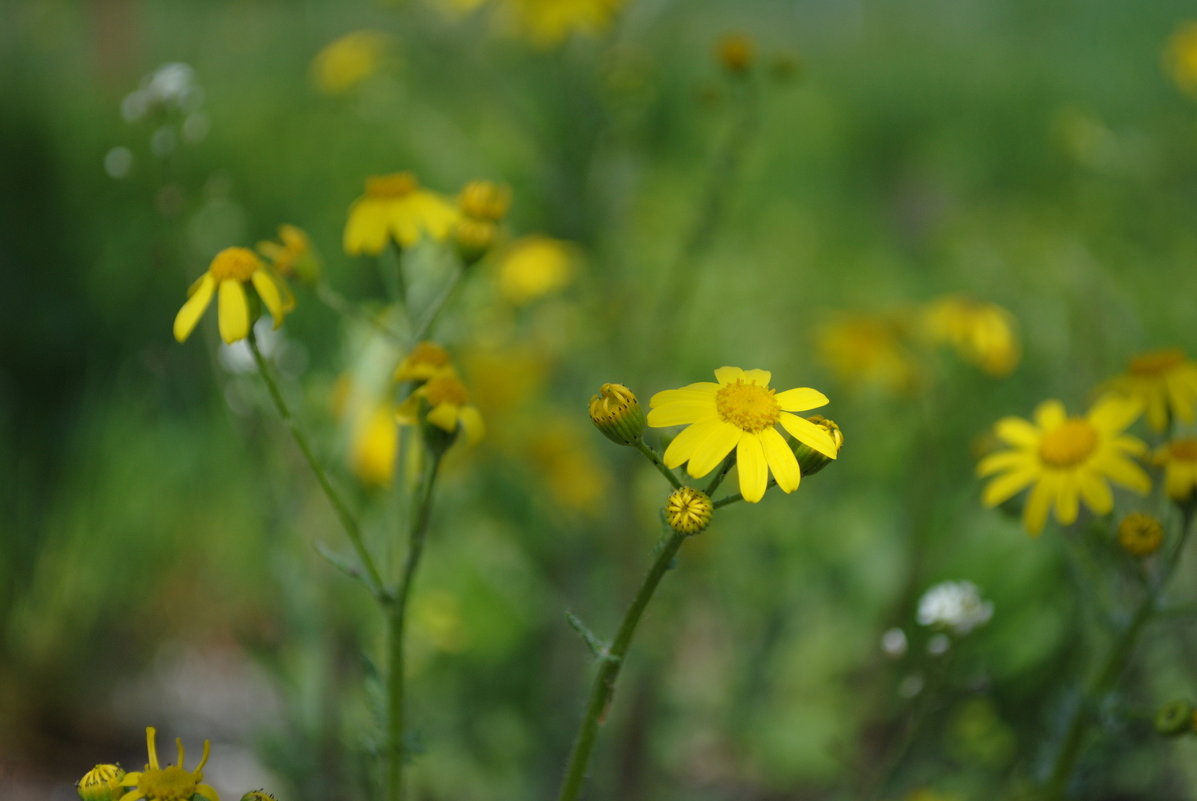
<point x="294" y="257"/>
<point x="616" y="412"/>
<point x="172" y="783"/>
<point x="349" y="60"/>
<point x="425" y="360"/>
<point x="396" y="207"/>
<point x="101" y="783"/>
<point x="1066" y="459"/>
<point x="1140" y="534"/>
<point x="982" y="333"/>
<point x="373" y="446"/>
<point x="688" y="511"/>
<point x="444" y="402"/>
<point x="231" y="271"/>
<point x="1181" y="57"/>
<point x="735" y="51"/>
<point x="1165" y="382"/>
<point x="565" y="463"/>
<point x="535" y="266"/>
<point x="739" y="414"/>
<point x="548" y="23"/>
<point x="1179" y="459"/>
<point x="863" y="349"/>
<point x="484" y="200"/>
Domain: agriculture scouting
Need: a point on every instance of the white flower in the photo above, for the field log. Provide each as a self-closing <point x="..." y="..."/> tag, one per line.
<point x="954" y="605"/>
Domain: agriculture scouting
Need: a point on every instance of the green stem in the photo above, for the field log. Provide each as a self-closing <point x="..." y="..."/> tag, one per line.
<point x="437" y="306"/>
<point x="338" y="303"/>
<point x="610" y="663"/>
<point x="1111" y="668"/>
<point x="652" y="456"/>
<point x="720" y="474"/>
<point x="373" y="578"/>
<point x="396" y="625"/>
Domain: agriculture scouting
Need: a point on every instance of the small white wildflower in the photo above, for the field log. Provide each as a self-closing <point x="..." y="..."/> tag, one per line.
<point x="893" y="643"/>
<point x="954" y="605"/>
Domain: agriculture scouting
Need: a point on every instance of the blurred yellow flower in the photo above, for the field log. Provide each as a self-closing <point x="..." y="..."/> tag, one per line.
<point x="172" y="783"/>
<point x="534" y="266"/>
<point x="231" y="271"/>
<point x="735" y="52"/>
<point x="1179" y="460"/>
<point x="1165" y="382"/>
<point x="425" y="360"/>
<point x="373" y="445"/>
<point x="867" y="349"/>
<point x="485" y="200"/>
<point x="982" y="333"/>
<point x="739" y="414"/>
<point x="396" y="207"/>
<point x="1065" y="459"/>
<point x="347" y="61"/>
<point x="444" y="402"/>
<point x="1180" y="57"/>
<point x="561" y="452"/>
<point x="1140" y="534"/>
<point x="293" y="255"/>
<point x="548" y="23"/>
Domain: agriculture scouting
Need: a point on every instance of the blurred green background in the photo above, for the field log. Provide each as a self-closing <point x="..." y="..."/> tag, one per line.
<point x="157" y="528"/>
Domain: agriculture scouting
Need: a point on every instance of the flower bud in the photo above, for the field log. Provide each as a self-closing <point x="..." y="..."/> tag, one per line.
<point x="484" y="200"/>
<point x="736" y="52"/>
<point x="474" y="238"/>
<point x="810" y="461"/>
<point x="1174" y="718"/>
<point x="688" y="511"/>
<point x="616" y="412"/>
<point x="258" y="795"/>
<point x="101" y="783"/>
<point x="1140" y="535"/>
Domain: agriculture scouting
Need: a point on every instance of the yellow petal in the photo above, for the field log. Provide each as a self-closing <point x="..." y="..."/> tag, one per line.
<point x="759" y="377"/>
<point x="193" y="309"/>
<point x="233" y="311"/>
<point x="729" y="375"/>
<point x="679" y="413"/>
<point x="444" y="415"/>
<point x="800" y="400"/>
<point x="754" y="470"/>
<point x="1034" y="516"/>
<point x="471" y="424"/>
<point x="719" y="441"/>
<point x="809" y="434"/>
<point x="1096" y="493"/>
<point x="695" y="393"/>
<point x="782" y="462"/>
<point x="1066" y="500"/>
<point x="1005" y="460"/>
<point x="366" y="230"/>
<point x="1017" y="431"/>
<point x="1125" y="472"/>
<point x="1003" y="488"/>
<point x="1050" y="414"/>
<point x="268" y="291"/>
<point x="683" y="445"/>
<point x="1113" y="413"/>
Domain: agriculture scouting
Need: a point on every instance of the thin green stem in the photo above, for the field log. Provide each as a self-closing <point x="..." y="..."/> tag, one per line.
<point x="438" y="306"/>
<point x="1109" y="672"/>
<point x="727" y="500"/>
<point x="611" y="661"/>
<point x="396" y="625"/>
<point x="720" y="474"/>
<point x="341" y="305"/>
<point x="373" y="578"/>
<point x="652" y="456"/>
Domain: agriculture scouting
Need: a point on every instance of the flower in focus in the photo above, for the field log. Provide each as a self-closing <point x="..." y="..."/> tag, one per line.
<point x="548" y="23"/>
<point x="864" y="349"/>
<point x="1181" y="57"/>
<point x="688" y="511"/>
<point x="347" y="61"/>
<point x="534" y="266"/>
<point x="954" y="605"/>
<point x="616" y="412"/>
<point x="1140" y="535"/>
<point x="739" y="413"/>
<point x="293" y="255"/>
<point x="1179" y="460"/>
<point x="1064" y="459"/>
<point x="1165" y="381"/>
<point x="395" y="207"/>
<point x="101" y="783"/>
<point x="172" y="783"/>
<point x="982" y="333"/>
<point x="231" y="271"/>
<point x="443" y="402"/>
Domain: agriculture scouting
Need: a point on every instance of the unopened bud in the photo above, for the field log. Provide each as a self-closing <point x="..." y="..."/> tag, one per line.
<point x="102" y="783"/>
<point x="616" y="412"/>
<point x="688" y="511"/>
<point x="810" y="461"/>
<point x="1174" y="718"/>
<point x="1140" y="535"/>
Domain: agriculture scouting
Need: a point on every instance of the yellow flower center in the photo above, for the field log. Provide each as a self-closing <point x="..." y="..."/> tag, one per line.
<point x="749" y="407"/>
<point x="171" y="783"/>
<point x="1069" y="445"/>
<point x="391" y="186"/>
<point x="1140" y="534"/>
<point x="445" y="389"/>
<point x="235" y="263"/>
<point x="1157" y="362"/>
<point x="1183" y="450"/>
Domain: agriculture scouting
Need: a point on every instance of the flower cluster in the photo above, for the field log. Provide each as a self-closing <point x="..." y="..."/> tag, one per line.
<point x="436" y="399"/>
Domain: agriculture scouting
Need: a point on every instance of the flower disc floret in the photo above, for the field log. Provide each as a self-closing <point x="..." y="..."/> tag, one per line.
<point x="399" y="184"/>
<point x="170" y="783"/>
<point x="1065" y="460"/>
<point x="739" y="414"/>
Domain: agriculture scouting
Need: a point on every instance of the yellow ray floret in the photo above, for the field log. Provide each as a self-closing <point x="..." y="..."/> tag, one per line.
<point x="1165" y="382"/>
<point x="170" y="783"/>
<point x="231" y="273"/>
<point x="740" y="413"/>
<point x="395" y="207"/>
<point x="1065" y="460"/>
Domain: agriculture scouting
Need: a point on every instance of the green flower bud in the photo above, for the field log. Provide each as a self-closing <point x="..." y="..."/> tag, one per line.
<point x="101" y="783"/>
<point x="616" y="412"/>
<point x="688" y="511"/>
<point x="1174" y="718"/>
<point x="810" y="461"/>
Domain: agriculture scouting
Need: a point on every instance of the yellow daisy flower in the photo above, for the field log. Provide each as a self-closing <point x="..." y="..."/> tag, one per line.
<point x="374" y="444"/>
<point x="396" y="207"/>
<point x="1066" y="459"/>
<point x="1179" y="460"/>
<point x="868" y="349"/>
<point x="172" y="783"/>
<point x="548" y="23"/>
<point x="444" y="402"/>
<point x="534" y="266"/>
<point x="982" y="333"/>
<point x="1164" y="381"/>
<point x="739" y="413"/>
<point x="293" y="255"/>
<point x="347" y="61"/>
<point x="231" y="271"/>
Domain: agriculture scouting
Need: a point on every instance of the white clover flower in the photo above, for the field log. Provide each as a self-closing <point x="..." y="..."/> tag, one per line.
<point x="954" y="605"/>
